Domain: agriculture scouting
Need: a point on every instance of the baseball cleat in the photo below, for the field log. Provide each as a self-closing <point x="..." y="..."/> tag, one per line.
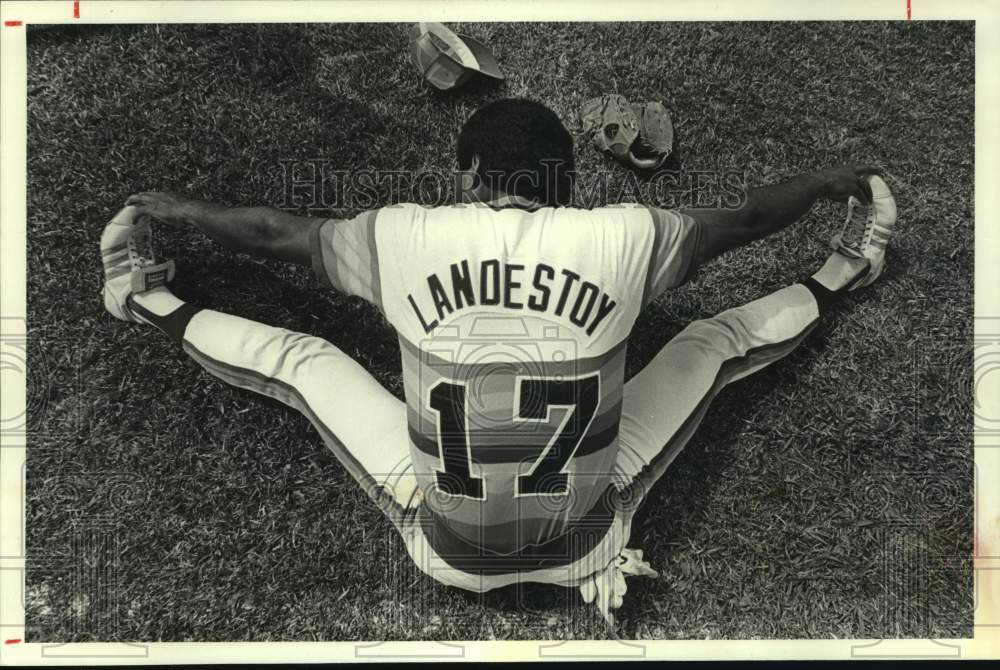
<point x="867" y="229"/>
<point x="130" y="265"/>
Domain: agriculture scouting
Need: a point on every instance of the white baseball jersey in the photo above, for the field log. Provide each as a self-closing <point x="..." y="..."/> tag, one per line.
<point x="512" y="323"/>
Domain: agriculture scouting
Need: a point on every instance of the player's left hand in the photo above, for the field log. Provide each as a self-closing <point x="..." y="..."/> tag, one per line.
<point x="165" y="207"/>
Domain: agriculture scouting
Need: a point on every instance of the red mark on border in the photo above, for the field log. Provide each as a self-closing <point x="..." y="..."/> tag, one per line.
<point x="76" y="9"/>
<point x="11" y="24"/>
<point x="13" y="640"/>
<point x="908" y="17"/>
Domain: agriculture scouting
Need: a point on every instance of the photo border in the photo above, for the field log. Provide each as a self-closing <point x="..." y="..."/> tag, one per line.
<point x="16" y="16"/>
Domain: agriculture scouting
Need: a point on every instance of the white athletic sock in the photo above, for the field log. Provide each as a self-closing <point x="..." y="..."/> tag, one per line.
<point x="161" y="308"/>
<point x="160" y="301"/>
<point x="840" y="271"/>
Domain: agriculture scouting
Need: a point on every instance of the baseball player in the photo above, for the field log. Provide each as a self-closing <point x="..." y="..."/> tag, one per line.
<point x="520" y="453"/>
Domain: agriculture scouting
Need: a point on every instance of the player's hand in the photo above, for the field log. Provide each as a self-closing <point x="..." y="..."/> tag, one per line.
<point x="847" y="180"/>
<point x="165" y="207"/>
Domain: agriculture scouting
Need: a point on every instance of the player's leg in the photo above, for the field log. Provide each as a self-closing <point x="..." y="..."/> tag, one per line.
<point x="362" y="423"/>
<point x="663" y="405"/>
<point x="358" y="419"/>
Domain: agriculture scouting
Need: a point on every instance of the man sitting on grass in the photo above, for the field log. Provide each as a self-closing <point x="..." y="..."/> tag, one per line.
<point x="520" y="454"/>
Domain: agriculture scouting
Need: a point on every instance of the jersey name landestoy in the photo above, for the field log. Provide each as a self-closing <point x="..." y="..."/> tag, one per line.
<point x="494" y="283"/>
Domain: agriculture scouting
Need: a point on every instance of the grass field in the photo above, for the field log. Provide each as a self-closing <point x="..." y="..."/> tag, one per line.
<point x="829" y="496"/>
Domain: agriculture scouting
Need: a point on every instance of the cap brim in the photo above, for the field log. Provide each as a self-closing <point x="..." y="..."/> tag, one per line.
<point x="484" y="57"/>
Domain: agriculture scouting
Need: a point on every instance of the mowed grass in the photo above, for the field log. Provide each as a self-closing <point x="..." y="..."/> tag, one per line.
<point x="828" y="496"/>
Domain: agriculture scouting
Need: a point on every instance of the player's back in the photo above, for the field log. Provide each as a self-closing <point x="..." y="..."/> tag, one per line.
<point x="513" y="325"/>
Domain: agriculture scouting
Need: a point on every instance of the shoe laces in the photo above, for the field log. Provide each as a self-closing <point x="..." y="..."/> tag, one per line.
<point x="859" y="223"/>
<point x="141" y="246"/>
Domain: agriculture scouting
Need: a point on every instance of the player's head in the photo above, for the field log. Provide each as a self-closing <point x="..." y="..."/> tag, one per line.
<point x="517" y="147"/>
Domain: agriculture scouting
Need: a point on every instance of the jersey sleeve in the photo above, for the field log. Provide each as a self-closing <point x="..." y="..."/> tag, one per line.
<point x="675" y="245"/>
<point x="345" y="256"/>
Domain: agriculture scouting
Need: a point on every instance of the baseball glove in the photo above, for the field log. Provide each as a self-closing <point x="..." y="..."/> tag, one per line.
<point x="640" y="135"/>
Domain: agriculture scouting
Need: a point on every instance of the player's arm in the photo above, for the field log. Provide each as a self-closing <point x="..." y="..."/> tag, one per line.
<point x="259" y="231"/>
<point x="769" y="209"/>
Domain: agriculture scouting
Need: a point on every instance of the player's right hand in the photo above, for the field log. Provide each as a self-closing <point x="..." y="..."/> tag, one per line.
<point x="847" y="180"/>
<point x="165" y="207"/>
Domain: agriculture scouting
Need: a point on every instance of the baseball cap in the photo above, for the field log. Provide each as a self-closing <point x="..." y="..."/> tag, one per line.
<point x="448" y="60"/>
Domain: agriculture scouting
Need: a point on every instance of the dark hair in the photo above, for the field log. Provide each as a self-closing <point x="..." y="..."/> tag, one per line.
<point x="523" y="149"/>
